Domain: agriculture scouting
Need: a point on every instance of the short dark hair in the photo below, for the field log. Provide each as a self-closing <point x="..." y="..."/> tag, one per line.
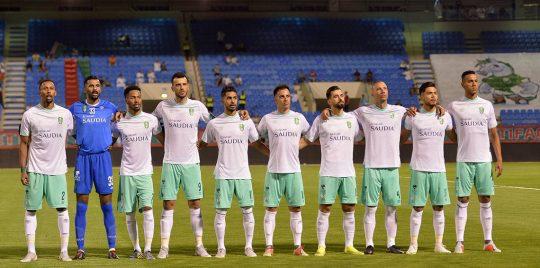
<point x="467" y="73"/>
<point x="330" y="90"/>
<point x="179" y="75"/>
<point x="130" y="88"/>
<point x="280" y="87"/>
<point x="426" y="85"/>
<point x="43" y="81"/>
<point x="228" y="89"/>
<point x="92" y="77"/>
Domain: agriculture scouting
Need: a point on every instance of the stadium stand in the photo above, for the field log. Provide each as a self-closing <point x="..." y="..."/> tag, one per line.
<point x="276" y="50"/>
<point x="520" y="117"/>
<point x="507" y="41"/>
<point x="443" y="43"/>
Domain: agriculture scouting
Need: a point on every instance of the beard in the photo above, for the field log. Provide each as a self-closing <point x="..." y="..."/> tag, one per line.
<point x="340" y="105"/>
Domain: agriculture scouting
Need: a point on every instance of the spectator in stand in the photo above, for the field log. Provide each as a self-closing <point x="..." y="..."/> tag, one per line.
<point x="414" y="90"/>
<point x="121" y="81"/>
<point x="227" y="81"/>
<point x="29" y="66"/>
<point x="242" y="101"/>
<point x="369" y="76"/>
<point x="346" y="108"/>
<point x="357" y="76"/>
<point x="157" y="66"/>
<point x="220" y="37"/>
<point x="217" y="70"/>
<point x="312" y="76"/>
<point x="210" y="103"/>
<point x="363" y="100"/>
<point x="74" y="52"/>
<point x="112" y="60"/>
<point x="238" y="80"/>
<point x="163" y="66"/>
<point x="228" y="47"/>
<point x="228" y="59"/>
<point x="301" y="77"/>
<point x="234" y="60"/>
<point x="151" y="76"/>
<point x="491" y="12"/>
<point x="42" y="66"/>
<point x="36" y="57"/>
<point x="294" y="97"/>
<point x="139" y="77"/>
<point x="219" y="80"/>
<point x="404" y="65"/>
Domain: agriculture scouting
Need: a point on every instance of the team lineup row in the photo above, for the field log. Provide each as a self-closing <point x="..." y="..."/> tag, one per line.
<point x="96" y="124"/>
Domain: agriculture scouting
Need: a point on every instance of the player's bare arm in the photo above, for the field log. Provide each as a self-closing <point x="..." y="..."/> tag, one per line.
<point x="496" y="143"/>
<point x="23" y="158"/>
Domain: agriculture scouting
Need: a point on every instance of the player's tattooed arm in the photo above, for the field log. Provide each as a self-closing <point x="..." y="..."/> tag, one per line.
<point x="452" y="135"/>
<point x="201" y="144"/>
<point x="325" y="114"/>
<point x="303" y="143"/>
<point x="405" y="133"/>
<point x="161" y="137"/>
<point x="23" y="158"/>
<point x="496" y="143"/>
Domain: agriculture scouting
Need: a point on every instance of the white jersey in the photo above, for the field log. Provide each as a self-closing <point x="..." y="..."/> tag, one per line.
<point x="283" y="133"/>
<point x="473" y="119"/>
<point x="382" y="128"/>
<point x="135" y="133"/>
<point x="337" y="136"/>
<point x="181" y="122"/>
<point x="428" y="133"/>
<point x="48" y="130"/>
<point x="233" y="136"/>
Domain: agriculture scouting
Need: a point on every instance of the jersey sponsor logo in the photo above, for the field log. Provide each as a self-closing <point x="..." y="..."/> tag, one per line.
<point x="146" y="124"/>
<point x="473" y="123"/>
<point x="230" y="140"/>
<point x="339" y="137"/>
<point x="242" y="127"/>
<point x="380" y="127"/>
<point x="60" y="120"/>
<point x="135" y="138"/>
<point x="94" y="120"/>
<point x="282" y="132"/>
<point x="48" y="134"/>
<point x="296" y="120"/>
<point x="179" y="124"/>
<point x="427" y="132"/>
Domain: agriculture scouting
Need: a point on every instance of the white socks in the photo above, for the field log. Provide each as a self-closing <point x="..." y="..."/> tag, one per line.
<point x="196" y="220"/>
<point x="249" y="226"/>
<point x="148" y="229"/>
<point x="30" y="225"/>
<point x="369" y="224"/>
<point x="133" y="232"/>
<point x="486" y="218"/>
<point x="438" y="226"/>
<point x="63" y="228"/>
<point x="322" y="227"/>
<point x="166" y="223"/>
<point x="349" y="227"/>
<point x="296" y="227"/>
<point x="391" y="225"/>
<point x="219" y="226"/>
<point x="416" y="222"/>
<point x="461" y="220"/>
<point x="270" y="226"/>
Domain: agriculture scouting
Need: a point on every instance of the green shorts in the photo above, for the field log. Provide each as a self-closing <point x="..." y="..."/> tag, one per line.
<point x="425" y="183"/>
<point x="135" y="191"/>
<point x="377" y="180"/>
<point x="478" y="174"/>
<point x="278" y="184"/>
<point x="225" y="189"/>
<point x="187" y="176"/>
<point x="330" y="187"/>
<point x="52" y="187"/>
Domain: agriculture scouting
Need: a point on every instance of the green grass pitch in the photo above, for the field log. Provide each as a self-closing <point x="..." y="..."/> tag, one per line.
<point x="515" y="230"/>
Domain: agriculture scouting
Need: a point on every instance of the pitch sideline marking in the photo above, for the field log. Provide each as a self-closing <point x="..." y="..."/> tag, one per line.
<point x="501" y="186"/>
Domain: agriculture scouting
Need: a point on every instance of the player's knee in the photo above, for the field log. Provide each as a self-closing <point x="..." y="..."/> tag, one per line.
<point x="419" y="209"/>
<point x="168" y="204"/>
<point x="146" y="208"/>
<point x="294" y="209"/>
<point x="463" y="199"/>
<point x="82" y="198"/>
<point x="194" y="204"/>
<point x="31" y="212"/>
<point x="325" y="208"/>
<point x="484" y="198"/>
<point x="271" y="209"/>
<point x="438" y="208"/>
<point x="60" y="209"/>
<point x="105" y="199"/>
<point x="348" y="207"/>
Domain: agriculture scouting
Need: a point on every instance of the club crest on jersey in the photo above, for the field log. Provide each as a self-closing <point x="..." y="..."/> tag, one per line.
<point x="441" y="121"/>
<point x="349" y="124"/>
<point x="481" y="110"/>
<point x="191" y="111"/>
<point x="241" y="127"/>
<point x="296" y="120"/>
<point x="392" y="115"/>
<point x="60" y="120"/>
<point x="146" y="124"/>
<point x="84" y="108"/>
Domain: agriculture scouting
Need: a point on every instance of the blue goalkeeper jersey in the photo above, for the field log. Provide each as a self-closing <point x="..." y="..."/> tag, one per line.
<point x="93" y="125"/>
